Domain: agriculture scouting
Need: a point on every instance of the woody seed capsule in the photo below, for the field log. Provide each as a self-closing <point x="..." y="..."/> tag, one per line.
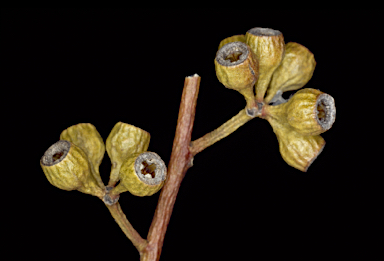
<point x="237" y="68"/>
<point x="123" y="141"/>
<point x="85" y="136"/>
<point x="268" y="46"/>
<point x="142" y="175"/>
<point x="295" y="70"/>
<point x="297" y="150"/>
<point x="66" y="166"/>
<point x="311" y="112"/>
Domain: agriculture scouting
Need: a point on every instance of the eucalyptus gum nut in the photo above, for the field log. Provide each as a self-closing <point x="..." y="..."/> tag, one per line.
<point x="237" y="68"/>
<point x="311" y="112"/>
<point x="295" y="70"/>
<point x="234" y="38"/>
<point x="297" y="150"/>
<point x="66" y="166"/>
<point x="142" y="174"/>
<point x="268" y="46"/>
<point x="123" y="141"/>
<point x="85" y="136"/>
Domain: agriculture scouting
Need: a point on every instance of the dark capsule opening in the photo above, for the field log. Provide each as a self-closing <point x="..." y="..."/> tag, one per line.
<point x="233" y="57"/>
<point x="321" y="109"/>
<point x="57" y="155"/>
<point x="148" y="169"/>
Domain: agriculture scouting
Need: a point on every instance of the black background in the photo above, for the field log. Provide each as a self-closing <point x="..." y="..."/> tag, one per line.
<point x="240" y="199"/>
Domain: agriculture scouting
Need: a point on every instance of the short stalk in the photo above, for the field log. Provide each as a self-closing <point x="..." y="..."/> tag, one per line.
<point x="126" y="227"/>
<point x="223" y="131"/>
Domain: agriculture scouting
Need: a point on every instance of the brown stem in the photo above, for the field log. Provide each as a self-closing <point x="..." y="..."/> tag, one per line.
<point x="223" y="131"/>
<point x="181" y="157"/>
<point x="179" y="163"/>
<point x="126" y="227"/>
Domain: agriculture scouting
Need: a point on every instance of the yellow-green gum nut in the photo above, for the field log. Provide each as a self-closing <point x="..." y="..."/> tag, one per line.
<point x="234" y="38"/>
<point x="295" y="70"/>
<point x="85" y="136"/>
<point x="237" y="68"/>
<point x="297" y="150"/>
<point x="66" y="166"/>
<point x="311" y="112"/>
<point x="268" y="46"/>
<point x="123" y="141"/>
<point x="142" y="175"/>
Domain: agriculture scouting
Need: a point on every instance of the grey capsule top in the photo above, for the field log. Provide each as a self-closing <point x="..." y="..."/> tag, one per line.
<point x="241" y="49"/>
<point x="258" y="31"/>
<point x="150" y="168"/>
<point x="327" y="116"/>
<point x="56" y="153"/>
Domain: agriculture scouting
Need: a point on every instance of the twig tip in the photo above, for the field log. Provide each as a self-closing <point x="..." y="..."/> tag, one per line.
<point x="195" y="75"/>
